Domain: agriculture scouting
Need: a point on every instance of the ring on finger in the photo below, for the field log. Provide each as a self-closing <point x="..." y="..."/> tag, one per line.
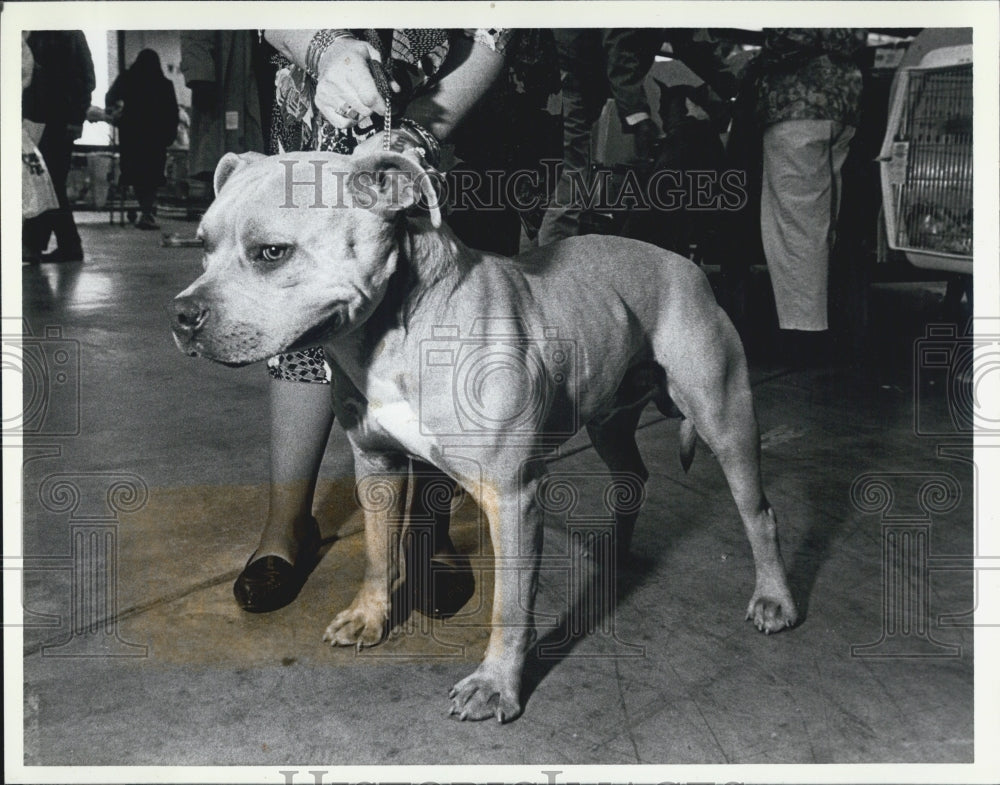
<point x="346" y="110"/>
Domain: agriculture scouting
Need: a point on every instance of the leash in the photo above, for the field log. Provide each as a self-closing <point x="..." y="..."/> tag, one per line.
<point x="381" y="78"/>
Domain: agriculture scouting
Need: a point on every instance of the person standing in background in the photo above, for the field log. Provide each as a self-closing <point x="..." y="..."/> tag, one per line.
<point x="57" y="96"/>
<point x="808" y="107"/>
<point x="143" y="105"/>
<point x="594" y="64"/>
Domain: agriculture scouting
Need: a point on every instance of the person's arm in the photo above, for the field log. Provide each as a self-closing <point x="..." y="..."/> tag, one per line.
<point x="27" y="61"/>
<point x="291" y="43"/>
<point x="466" y="76"/>
<point x="341" y="68"/>
<point x="469" y="72"/>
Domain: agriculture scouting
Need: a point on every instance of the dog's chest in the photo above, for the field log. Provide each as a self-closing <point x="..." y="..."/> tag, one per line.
<point x="391" y="416"/>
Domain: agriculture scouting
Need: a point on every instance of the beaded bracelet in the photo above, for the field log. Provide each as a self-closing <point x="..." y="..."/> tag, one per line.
<point x="432" y="147"/>
<point x="319" y="43"/>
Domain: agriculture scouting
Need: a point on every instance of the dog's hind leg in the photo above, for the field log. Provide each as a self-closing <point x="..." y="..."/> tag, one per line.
<point x="771" y="607"/>
<point x="613" y="438"/>
<point x="715" y="394"/>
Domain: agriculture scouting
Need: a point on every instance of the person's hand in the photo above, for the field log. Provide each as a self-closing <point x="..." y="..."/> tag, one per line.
<point x="346" y="93"/>
<point x="96" y="114"/>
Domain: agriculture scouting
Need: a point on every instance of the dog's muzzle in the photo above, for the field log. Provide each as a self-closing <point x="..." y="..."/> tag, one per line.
<point x="187" y="316"/>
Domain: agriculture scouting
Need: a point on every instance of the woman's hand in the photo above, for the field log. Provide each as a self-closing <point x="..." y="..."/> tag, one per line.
<point x="346" y="93"/>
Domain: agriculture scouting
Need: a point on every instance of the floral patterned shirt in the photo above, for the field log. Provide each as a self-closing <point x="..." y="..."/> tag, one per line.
<point x="810" y="74"/>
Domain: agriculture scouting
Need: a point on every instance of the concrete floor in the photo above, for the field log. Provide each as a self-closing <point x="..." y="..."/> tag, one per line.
<point x="145" y="489"/>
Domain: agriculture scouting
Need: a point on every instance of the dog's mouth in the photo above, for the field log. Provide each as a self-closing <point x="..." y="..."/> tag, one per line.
<point x="196" y="346"/>
<point x="191" y="351"/>
<point x="239" y="347"/>
<point x="326" y="329"/>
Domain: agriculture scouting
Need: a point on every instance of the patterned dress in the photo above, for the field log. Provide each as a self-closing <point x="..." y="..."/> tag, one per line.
<point x="810" y="74"/>
<point x="416" y="56"/>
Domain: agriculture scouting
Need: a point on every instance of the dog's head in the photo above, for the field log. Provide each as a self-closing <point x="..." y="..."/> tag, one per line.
<point x="298" y="247"/>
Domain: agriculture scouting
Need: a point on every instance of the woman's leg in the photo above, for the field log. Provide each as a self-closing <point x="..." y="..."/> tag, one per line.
<point x="301" y="418"/>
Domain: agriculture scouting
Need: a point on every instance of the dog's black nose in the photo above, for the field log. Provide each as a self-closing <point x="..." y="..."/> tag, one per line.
<point x="188" y="316"/>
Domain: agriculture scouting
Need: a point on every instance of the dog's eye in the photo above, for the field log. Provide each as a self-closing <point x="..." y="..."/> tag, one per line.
<point x="272" y="253"/>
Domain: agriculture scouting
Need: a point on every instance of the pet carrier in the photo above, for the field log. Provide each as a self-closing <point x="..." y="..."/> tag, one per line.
<point x="926" y="162"/>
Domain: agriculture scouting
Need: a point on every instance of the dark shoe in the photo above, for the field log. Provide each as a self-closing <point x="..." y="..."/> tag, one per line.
<point x="59" y="256"/>
<point x="147" y="221"/>
<point x="270" y="582"/>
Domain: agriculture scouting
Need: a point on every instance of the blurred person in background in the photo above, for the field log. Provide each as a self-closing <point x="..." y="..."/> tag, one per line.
<point x="808" y="107"/>
<point x="143" y="105"/>
<point x="58" y="97"/>
<point x="596" y="64"/>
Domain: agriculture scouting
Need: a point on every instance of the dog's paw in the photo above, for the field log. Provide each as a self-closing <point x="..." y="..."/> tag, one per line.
<point x="770" y="614"/>
<point x="483" y="696"/>
<point x="363" y="624"/>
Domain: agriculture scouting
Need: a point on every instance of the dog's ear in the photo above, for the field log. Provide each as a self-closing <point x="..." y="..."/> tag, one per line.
<point x="392" y="182"/>
<point x="230" y="163"/>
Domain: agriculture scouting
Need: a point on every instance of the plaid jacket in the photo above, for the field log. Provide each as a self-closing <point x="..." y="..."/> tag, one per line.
<point x="810" y="74"/>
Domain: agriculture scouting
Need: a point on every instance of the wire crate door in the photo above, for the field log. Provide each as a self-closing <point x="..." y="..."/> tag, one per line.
<point x="927" y="165"/>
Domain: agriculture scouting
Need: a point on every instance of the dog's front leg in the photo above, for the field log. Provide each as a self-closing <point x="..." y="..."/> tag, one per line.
<point x="381" y="491"/>
<point x="515" y="520"/>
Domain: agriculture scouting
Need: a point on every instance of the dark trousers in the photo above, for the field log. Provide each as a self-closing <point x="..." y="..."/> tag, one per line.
<point x="56" y="147"/>
<point x="145" y="195"/>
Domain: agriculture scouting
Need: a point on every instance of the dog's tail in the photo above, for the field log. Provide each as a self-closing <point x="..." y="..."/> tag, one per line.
<point x="688" y="438"/>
